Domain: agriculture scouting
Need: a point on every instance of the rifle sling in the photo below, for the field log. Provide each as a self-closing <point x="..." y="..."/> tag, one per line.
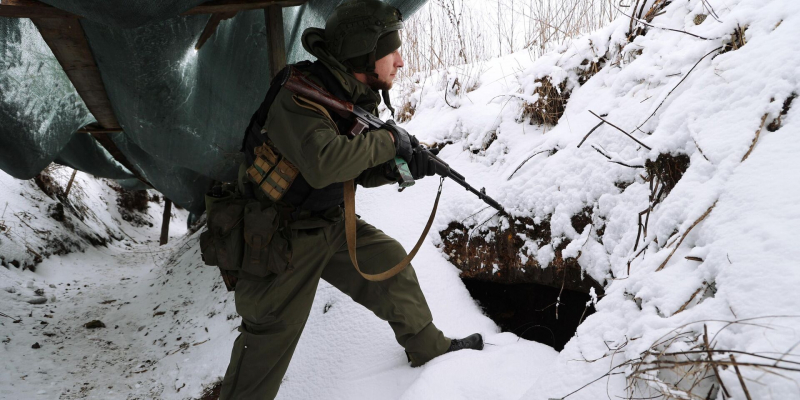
<point x="350" y="232"/>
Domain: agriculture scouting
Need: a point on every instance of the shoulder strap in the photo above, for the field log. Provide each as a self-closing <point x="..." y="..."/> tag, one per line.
<point x="350" y="233"/>
<point x="252" y="135"/>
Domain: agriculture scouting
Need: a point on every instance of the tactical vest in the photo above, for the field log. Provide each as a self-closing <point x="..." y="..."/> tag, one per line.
<point x="268" y="171"/>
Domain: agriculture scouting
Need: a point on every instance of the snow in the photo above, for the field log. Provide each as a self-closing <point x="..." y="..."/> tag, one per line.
<point x="739" y="285"/>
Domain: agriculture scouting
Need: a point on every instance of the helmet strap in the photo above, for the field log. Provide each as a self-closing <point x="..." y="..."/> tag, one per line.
<point x="387" y="101"/>
<point x="370" y="69"/>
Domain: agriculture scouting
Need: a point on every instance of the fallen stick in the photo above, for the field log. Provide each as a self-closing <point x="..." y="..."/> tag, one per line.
<point x="702" y="217"/>
<point x="711" y="359"/>
<point x="741" y="380"/>
<point x="755" y="139"/>
<point x="590" y="132"/>
<point x="676" y="86"/>
<point x="621" y="130"/>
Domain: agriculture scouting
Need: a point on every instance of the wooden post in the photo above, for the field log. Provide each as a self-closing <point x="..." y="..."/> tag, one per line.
<point x="276" y="44"/>
<point x="69" y="185"/>
<point x="165" y="222"/>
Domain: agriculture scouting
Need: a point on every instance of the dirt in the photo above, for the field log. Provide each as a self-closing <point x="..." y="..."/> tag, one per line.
<point x="133" y="205"/>
<point x="47" y="183"/>
<point x="212" y="393"/>
<point x="499" y="259"/>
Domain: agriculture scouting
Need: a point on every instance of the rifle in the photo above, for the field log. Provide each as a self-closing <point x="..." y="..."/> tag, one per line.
<point x="299" y="84"/>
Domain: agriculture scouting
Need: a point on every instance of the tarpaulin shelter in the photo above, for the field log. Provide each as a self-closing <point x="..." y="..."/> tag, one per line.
<point x="148" y="92"/>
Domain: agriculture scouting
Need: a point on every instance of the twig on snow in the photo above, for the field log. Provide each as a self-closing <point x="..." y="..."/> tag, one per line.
<point x="621" y="130"/>
<point x="711" y="10"/>
<point x="526" y="160"/>
<point x="741" y="380"/>
<point x="685" y="234"/>
<point x="615" y="161"/>
<point x="676" y="86"/>
<point x="755" y="139"/>
<point x="660" y="27"/>
<point x="711" y="360"/>
<point x="590" y="132"/>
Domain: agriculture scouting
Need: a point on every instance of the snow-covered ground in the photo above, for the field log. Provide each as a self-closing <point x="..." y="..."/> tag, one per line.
<point x="169" y="323"/>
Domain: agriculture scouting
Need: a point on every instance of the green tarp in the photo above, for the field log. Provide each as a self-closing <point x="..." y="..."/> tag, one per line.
<point x="183" y="112"/>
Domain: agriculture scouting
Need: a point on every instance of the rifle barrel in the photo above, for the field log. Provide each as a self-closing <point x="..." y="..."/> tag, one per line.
<point x="443" y="169"/>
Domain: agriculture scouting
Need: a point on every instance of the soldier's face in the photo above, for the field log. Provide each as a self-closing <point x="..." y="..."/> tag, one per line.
<point x="386" y="69"/>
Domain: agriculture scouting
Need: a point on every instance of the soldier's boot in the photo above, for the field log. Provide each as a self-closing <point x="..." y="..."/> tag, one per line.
<point x="474" y="342"/>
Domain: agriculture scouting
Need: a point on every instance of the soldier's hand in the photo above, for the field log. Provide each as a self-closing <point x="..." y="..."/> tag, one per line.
<point x="404" y="143"/>
<point x="421" y="163"/>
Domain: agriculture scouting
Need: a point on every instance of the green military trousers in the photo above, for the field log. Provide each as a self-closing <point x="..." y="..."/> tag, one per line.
<point x="274" y="309"/>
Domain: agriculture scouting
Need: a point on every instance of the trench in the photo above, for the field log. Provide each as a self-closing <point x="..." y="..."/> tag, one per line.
<point x="529" y="309"/>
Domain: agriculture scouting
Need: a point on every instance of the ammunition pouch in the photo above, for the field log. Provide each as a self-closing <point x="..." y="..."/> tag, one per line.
<point x="271" y="173"/>
<point x="243" y="238"/>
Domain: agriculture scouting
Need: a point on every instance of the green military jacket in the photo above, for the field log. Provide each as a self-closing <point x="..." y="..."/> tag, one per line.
<point x="311" y="140"/>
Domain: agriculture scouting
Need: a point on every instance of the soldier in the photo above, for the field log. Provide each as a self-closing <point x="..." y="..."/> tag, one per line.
<point x="357" y="56"/>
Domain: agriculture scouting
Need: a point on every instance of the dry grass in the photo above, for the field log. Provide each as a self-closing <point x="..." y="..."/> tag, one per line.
<point x="550" y="104"/>
<point x="588" y="69"/>
<point x="656" y="10"/>
<point x="736" y="41"/>
<point x="405" y="112"/>
<point x="778" y="122"/>
<point x="685" y="364"/>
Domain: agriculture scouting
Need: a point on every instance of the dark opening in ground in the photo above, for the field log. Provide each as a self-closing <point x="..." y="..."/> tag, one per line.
<point x="529" y="309"/>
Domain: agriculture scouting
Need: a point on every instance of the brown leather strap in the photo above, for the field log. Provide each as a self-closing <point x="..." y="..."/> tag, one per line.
<point x="350" y="231"/>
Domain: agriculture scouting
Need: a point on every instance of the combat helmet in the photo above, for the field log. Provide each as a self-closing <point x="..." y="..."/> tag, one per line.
<point x="358" y="32"/>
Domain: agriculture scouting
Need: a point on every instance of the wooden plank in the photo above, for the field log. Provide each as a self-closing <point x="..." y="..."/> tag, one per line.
<point x="219" y="6"/>
<point x="275" y="39"/>
<point x="165" y="222"/>
<point x="69" y="185"/>
<point x="84" y="130"/>
<point x="31" y="9"/>
<point x="211" y="27"/>
<point x="36" y="9"/>
<point x="66" y="39"/>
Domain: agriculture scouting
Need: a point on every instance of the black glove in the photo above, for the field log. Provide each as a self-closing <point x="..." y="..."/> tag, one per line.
<point x="404" y="143"/>
<point x="421" y="163"/>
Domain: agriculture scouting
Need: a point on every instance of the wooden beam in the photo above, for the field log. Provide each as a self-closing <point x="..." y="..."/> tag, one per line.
<point x="69" y="185"/>
<point x="36" y="9"/>
<point x="84" y="130"/>
<point x="96" y="128"/>
<point x="31" y="9"/>
<point x="211" y="27"/>
<point x="66" y="39"/>
<point x="275" y="39"/>
<point x="219" y="6"/>
<point x="165" y="222"/>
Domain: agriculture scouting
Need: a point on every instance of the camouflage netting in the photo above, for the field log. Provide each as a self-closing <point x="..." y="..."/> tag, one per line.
<point x="183" y="112"/>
